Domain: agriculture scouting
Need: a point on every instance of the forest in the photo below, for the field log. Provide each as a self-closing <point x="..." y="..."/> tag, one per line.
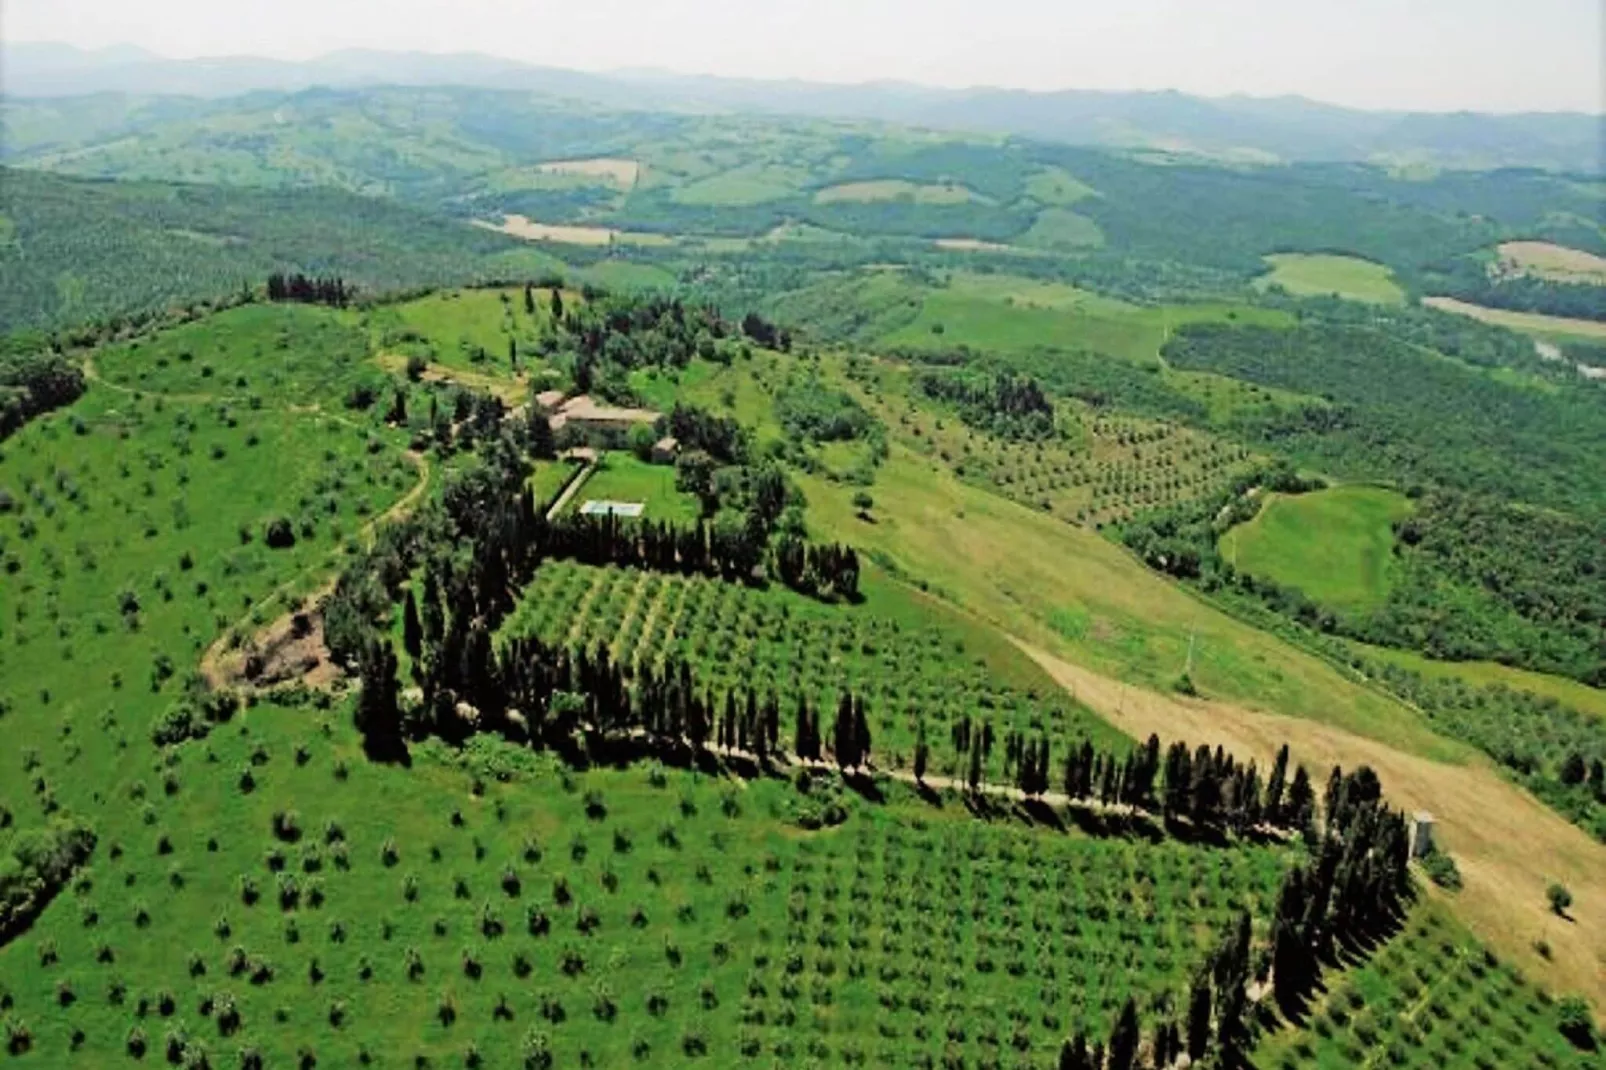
<point x="1397" y="411"/>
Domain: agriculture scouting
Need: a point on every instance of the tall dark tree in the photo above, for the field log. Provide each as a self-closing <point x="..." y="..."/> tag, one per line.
<point x="922" y="752"/>
<point x="378" y="713"/>
<point x="1199" y="1006"/>
<point x="1074" y="1054"/>
<point x="1124" y="1039"/>
<point x="412" y="628"/>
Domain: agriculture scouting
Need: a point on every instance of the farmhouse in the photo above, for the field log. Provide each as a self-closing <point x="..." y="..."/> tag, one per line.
<point x="665" y="450"/>
<point x="581" y="421"/>
<point x="548" y="401"/>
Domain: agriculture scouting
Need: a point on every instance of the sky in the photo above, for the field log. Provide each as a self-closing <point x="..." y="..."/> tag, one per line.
<point x="1435" y="55"/>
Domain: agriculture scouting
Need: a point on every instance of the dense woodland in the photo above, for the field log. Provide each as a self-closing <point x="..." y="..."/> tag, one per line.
<point x="1397" y="411"/>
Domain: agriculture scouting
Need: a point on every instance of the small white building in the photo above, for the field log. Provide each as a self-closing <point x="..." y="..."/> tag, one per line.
<point x="1421" y="834"/>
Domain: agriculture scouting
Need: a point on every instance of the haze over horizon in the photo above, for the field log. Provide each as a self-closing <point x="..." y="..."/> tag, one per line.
<point x="1440" y="55"/>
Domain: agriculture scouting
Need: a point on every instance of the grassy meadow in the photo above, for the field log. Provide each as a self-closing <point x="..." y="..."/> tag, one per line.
<point x="1335" y="545"/>
<point x="1320" y="274"/>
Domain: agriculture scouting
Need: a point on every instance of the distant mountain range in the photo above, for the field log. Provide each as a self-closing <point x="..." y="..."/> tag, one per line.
<point x="1243" y="129"/>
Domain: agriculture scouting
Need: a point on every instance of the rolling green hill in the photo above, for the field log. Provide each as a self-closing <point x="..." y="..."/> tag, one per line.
<point x="77" y="250"/>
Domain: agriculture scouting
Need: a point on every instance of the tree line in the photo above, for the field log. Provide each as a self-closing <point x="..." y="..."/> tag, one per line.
<point x="312" y="290"/>
<point x="1209" y="789"/>
<point x="479" y="546"/>
<point x="1350" y="896"/>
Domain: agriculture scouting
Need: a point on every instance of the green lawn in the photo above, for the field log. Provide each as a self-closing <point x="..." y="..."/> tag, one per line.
<point x="1335" y="545"/>
<point x="622" y="477"/>
<point x="1318" y="275"/>
<point x="550" y="477"/>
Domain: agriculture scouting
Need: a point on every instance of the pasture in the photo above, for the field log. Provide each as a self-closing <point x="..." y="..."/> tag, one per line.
<point x="477" y="334"/>
<point x="1061" y="228"/>
<point x="739" y="187"/>
<point x="1321" y="275"/>
<point x="1004" y="314"/>
<point x="1335" y="545"/>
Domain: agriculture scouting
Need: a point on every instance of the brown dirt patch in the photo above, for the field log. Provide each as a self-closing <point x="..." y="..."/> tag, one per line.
<point x="512" y="391"/>
<point x="1508" y="845"/>
<point x="290" y="650"/>
<point x="970" y="245"/>
<point x="1550" y="261"/>
<point x="570" y="234"/>
<point x="623" y="173"/>
<point x="1529" y="322"/>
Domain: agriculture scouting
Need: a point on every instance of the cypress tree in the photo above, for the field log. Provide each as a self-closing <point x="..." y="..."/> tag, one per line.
<point x="1074" y="1054"/>
<point x="1275" y="784"/>
<point x="412" y="628"/>
<point x="1124" y="1038"/>
<point x="922" y="752"/>
<point x="1199" y="1003"/>
<point x="842" y="733"/>
<point x="861" y="733"/>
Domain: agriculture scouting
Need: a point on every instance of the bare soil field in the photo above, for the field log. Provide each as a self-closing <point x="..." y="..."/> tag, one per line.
<point x="1550" y="261"/>
<point x="971" y="245"/>
<point x="1508" y="845"/>
<point x="1526" y="322"/>
<point x="622" y="173"/>
<point x="571" y="234"/>
<point x="513" y="392"/>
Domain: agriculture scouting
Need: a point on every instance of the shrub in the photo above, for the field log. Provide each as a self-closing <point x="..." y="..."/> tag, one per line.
<point x="1559" y="898"/>
<point x="279" y="534"/>
<point x="1575" y="1021"/>
<point x="181" y="722"/>
<point x="1442" y="870"/>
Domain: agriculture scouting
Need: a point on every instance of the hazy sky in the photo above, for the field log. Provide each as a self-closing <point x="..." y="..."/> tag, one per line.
<point x="1496" y="55"/>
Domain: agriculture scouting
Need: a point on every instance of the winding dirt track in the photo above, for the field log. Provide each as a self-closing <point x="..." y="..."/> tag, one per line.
<point x="1509" y="846"/>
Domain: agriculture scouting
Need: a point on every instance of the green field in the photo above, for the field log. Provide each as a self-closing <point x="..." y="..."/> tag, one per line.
<point x="467" y="330"/>
<point x="1318" y="275"/>
<point x="623" y="477"/>
<point x="1334" y="545"/>
<point x="742" y="186"/>
<point x="1007" y="314"/>
<point x="1059" y="228"/>
<point x="1487" y="673"/>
